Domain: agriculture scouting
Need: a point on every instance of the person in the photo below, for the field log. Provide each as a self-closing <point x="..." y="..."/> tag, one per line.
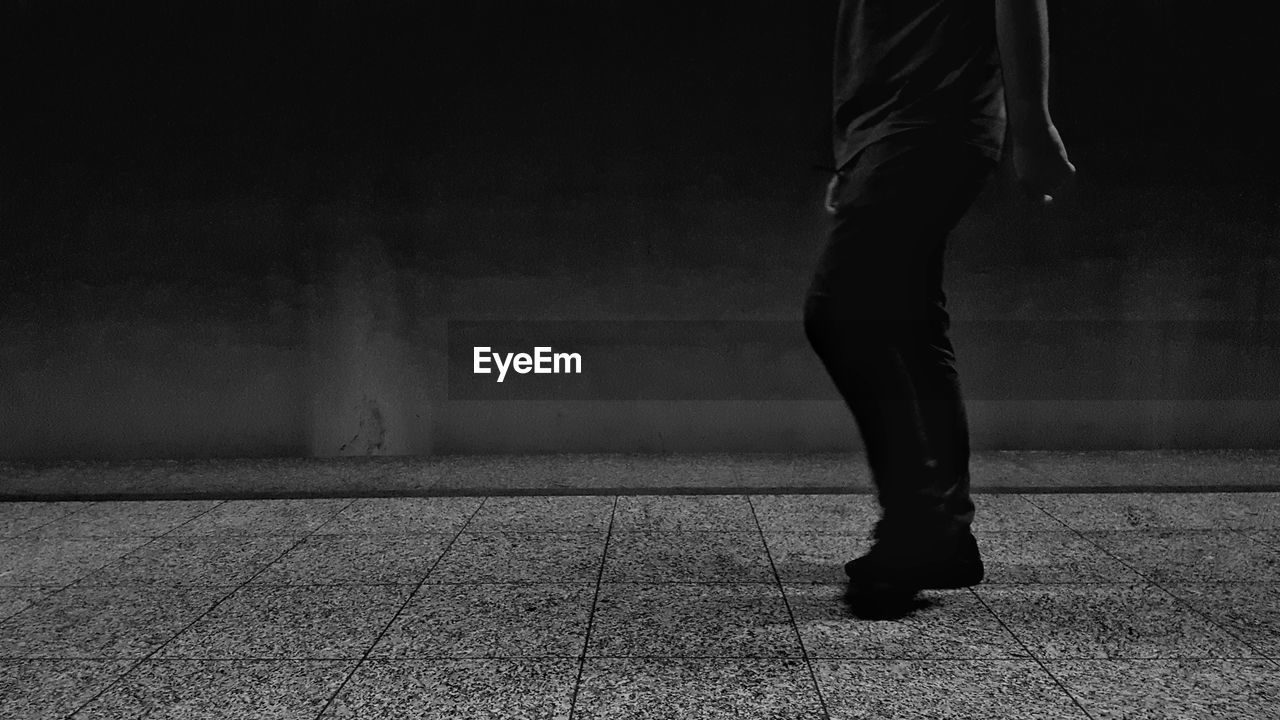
<point x="923" y="92"/>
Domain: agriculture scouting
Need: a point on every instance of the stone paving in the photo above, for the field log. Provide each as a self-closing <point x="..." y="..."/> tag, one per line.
<point x="1095" y="605"/>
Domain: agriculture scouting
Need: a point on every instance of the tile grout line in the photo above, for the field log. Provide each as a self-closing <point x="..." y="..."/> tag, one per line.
<point x="97" y="570"/>
<point x="1245" y="533"/>
<point x="804" y="653"/>
<point x="87" y="505"/>
<point x="591" y="616"/>
<point x="137" y="664"/>
<point x="64" y="516"/>
<point x="408" y="599"/>
<point x="598" y="584"/>
<point x="116" y="680"/>
<point x="1061" y="686"/>
<point x="91" y="572"/>
<point x="1039" y="661"/>
<point x="1148" y="580"/>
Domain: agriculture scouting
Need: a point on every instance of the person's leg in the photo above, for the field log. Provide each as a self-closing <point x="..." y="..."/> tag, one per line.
<point x="875" y="314"/>
<point x="933" y="359"/>
<point x="860" y="317"/>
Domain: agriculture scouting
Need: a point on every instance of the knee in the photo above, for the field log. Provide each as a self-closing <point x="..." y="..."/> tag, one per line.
<point x="827" y="317"/>
<point x="830" y="318"/>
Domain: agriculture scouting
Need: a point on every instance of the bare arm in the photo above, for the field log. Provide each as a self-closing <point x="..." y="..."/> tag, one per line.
<point x="1022" y="31"/>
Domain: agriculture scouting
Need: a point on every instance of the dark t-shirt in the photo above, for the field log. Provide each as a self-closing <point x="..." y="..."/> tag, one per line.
<point x="911" y="66"/>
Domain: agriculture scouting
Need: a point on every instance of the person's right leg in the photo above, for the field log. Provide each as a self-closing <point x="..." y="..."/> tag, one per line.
<point x="932" y="358"/>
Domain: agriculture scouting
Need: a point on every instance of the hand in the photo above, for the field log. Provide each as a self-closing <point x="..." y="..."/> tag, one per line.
<point x="832" y="188"/>
<point x="1040" y="161"/>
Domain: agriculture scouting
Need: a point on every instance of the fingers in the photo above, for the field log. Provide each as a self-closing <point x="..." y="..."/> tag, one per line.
<point x="1041" y="187"/>
<point x="829" y="202"/>
<point x="1034" y="195"/>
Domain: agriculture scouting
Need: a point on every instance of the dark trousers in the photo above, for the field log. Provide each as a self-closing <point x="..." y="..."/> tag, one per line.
<point x="875" y="314"/>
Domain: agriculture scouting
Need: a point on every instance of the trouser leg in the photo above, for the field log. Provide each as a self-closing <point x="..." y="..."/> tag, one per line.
<point x="875" y="314"/>
<point x="932" y="358"/>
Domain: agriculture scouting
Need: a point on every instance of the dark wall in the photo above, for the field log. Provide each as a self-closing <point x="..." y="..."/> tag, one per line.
<point x="245" y="228"/>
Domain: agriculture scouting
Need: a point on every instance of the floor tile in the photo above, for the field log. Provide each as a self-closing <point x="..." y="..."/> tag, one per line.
<point x="1191" y="555"/>
<point x="395" y="516"/>
<point x="15" y="599"/>
<point x="1250" y="611"/>
<point x="264" y="517"/>
<point x="951" y="689"/>
<point x="1160" y="689"/>
<point x="696" y="689"/>
<point x="19" y="517"/>
<point x="953" y="625"/>
<point x="842" y="513"/>
<point x="491" y="620"/>
<point x="696" y="556"/>
<point x="209" y="689"/>
<point x="1007" y="512"/>
<point x="1048" y="557"/>
<point x="58" y="561"/>
<point x="671" y="513"/>
<point x="128" y="518"/>
<point x="458" y="690"/>
<point x="692" y="620"/>
<point x="1138" y="511"/>
<point x="814" y="557"/>
<point x="1269" y="538"/>
<point x="561" y="513"/>
<point x="357" y="559"/>
<point x="1107" y="621"/>
<point x="507" y="607"/>
<point x="521" y="557"/>
<point x="53" y="689"/>
<point x="85" y="621"/>
<point x="274" y="622"/>
<point x="194" y="560"/>
<point x="1253" y="511"/>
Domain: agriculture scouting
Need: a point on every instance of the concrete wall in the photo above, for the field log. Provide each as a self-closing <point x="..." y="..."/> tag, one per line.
<point x="249" y="234"/>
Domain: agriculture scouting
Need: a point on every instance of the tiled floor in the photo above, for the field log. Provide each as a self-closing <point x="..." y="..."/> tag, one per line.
<point x="1109" y="605"/>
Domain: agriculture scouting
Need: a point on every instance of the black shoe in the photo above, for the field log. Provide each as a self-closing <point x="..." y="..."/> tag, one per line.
<point x="882" y="602"/>
<point x="897" y="565"/>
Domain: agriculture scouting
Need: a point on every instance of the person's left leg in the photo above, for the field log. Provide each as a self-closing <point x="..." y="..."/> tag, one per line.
<point x="858" y="318"/>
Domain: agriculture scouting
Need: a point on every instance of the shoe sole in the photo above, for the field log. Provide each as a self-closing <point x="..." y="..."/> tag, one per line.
<point x="966" y="577"/>
<point x="946" y="577"/>
<point x="925" y="581"/>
